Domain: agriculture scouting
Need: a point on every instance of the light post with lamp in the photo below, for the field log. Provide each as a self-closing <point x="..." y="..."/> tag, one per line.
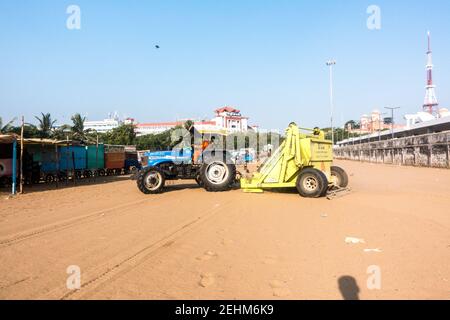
<point x="330" y="64"/>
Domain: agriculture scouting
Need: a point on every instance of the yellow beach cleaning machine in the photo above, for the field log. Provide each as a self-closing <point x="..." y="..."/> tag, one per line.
<point x="304" y="161"/>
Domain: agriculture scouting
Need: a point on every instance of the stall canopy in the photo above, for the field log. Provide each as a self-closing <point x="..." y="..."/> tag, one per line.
<point x="15" y="141"/>
<point x="47" y="141"/>
<point x="8" y="138"/>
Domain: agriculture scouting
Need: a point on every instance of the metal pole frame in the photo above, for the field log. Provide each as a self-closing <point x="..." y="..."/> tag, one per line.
<point x="96" y="159"/>
<point x="21" y="155"/>
<point x="392" y="119"/>
<point x="14" y="168"/>
<point x="67" y="160"/>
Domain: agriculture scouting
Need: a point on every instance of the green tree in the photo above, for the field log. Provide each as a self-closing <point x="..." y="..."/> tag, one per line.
<point x="122" y="135"/>
<point x="78" y="131"/>
<point x="29" y="131"/>
<point x="5" y="128"/>
<point x="188" y="124"/>
<point x="62" y="132"/>
<point x="354" y="124"/>
<point x="45" y="125"/>
<point x="154" y="142"/>
<point x="339" y="134"/>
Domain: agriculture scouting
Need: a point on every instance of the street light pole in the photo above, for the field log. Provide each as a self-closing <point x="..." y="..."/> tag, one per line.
<point x="392" y="118"/>
<point x="381" y="121"/>
<point x="330" y="64"/>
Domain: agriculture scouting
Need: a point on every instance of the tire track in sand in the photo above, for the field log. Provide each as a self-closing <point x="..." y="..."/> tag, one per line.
<point x="120" y="266"/>
<point x="68" y="223"/>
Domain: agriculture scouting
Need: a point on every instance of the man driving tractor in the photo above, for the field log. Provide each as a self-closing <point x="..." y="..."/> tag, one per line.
<point x="205" y="144"/>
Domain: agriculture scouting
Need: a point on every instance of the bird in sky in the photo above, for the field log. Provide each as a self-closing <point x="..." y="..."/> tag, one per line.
<point x="156" y="46"/>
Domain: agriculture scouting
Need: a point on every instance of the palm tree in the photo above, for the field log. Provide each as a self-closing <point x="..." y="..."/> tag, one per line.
<point x="7" y="127"/>
<point x="78" y="123"/>
<point x="45" y="125"/>
<point x="61" y="132"/>
<point x="78" y="130"/>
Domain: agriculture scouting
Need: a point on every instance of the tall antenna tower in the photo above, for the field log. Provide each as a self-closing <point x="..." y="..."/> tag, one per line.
<point x="431" y="101"/>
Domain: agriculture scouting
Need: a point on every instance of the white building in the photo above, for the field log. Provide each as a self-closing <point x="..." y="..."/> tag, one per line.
<point x="103" y="126"/>
<point x="420" y="117"/>
<point x="106" y="125"/>
<point x="231" y="120"/>
<point x="444" y="112"/>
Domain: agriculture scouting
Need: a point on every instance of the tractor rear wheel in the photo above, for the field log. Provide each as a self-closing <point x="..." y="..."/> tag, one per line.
<point x="217" y="175"/>
<point x="340" y="177"/>
<point x="151" y="180"/>
<point x="312" y="183"/>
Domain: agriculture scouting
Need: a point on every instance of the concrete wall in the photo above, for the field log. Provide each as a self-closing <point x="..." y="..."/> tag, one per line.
<point x="430" y="150"/>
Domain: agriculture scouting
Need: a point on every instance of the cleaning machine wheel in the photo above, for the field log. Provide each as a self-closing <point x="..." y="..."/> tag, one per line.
<point x="199" y="181"/>
<point x="312" y="183"/>
<point x="151" y="180"/>
<point x="340" y="177"/>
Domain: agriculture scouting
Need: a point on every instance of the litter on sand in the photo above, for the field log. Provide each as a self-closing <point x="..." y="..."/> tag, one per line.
<point x="372" y="250"/>
<point x="351" y="240"/>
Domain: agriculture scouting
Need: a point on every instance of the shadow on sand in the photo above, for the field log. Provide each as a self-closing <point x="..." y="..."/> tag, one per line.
<point x="349" y="288"/>
<point x="67" y="185"/>
<point x="171" y="186"/>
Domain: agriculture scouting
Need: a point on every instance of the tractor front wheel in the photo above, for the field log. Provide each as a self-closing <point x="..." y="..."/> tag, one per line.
<point x="151" y="180"/>
<point x="312" y="183"/>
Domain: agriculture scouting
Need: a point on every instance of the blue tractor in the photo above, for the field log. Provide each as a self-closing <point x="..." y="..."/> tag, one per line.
<point x="212" y="168"/>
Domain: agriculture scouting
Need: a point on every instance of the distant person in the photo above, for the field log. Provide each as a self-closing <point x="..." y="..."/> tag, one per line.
<point x="246" y="158"/>
<point x="318" y="133"/>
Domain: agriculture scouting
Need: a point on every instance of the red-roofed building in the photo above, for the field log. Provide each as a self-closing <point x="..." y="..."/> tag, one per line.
<point x="158" y="127"/>
<point x="227" y="119"/>
<point x="230" y="118"/>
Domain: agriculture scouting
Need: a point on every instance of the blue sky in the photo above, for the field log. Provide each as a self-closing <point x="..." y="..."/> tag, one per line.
<point x="267" y="58"/>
